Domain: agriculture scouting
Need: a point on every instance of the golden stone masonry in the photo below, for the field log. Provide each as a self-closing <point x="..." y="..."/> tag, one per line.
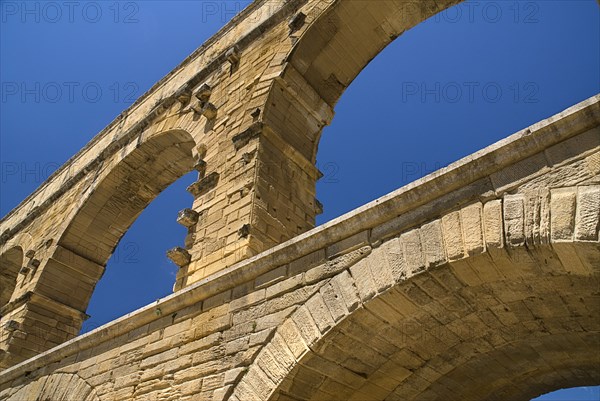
<point x="480" y="280"/>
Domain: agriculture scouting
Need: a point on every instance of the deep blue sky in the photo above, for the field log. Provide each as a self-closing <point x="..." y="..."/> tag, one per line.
<point x="443" y="90"/>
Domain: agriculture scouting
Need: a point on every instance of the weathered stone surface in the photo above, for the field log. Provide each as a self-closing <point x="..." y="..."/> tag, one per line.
<point x="466" y="282"/>
<point x="587" y="218"/>
<point x="514" y="223"/>
<point x="562" y="210"/>
<point x="453" y="237"/>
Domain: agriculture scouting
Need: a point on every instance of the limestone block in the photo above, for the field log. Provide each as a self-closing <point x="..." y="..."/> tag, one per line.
<point x="233" y="55"/>
<point x="179" y="256"/>
<point x="348" y="244"/>
<point x="307" y="326"/>
<point x="204" y="185"/>
<point x="472" y="227"/>
<point x="562" y="210"/>
<point x="433" y="243"/>
<point x="266" y="371"/>
<point x="587" y="219"/>
<point x="361" y="273"/>
<point x="320" y="313"/>
<point x="334" y="266"/>
<point x="381" y="271"/>
<point x="453" y="237"/>
<point x="334" y="301"/>
<point x="187" y="217"/>
<point x="203" y="93"/>
<point x="261" y="382"/>
<point x="413" y="252"/>
<point x="293" y="338"/>
<point x="493" y="224"/>
<point x="514" y="220"/>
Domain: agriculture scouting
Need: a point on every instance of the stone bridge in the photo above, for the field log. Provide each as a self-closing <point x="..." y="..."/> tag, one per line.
<point x="479" y="281"/>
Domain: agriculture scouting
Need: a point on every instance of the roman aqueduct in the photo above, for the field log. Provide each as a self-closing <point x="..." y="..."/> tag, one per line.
<point x="479" y="280"/>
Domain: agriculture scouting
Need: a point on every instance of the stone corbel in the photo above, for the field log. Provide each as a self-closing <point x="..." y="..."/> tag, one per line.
<point x="187" y="217"/>
<point x="204" y="185"/>
<point x="179" y="256"/>
<point x="233" y="56"/>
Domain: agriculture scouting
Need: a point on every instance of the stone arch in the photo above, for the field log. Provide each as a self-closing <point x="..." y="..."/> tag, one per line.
<point x="122" y="190"/>
<point x="57" y="387"/>
<point x="11" y="262"/>
<point x="113" y="198"/>
<point x="495" y="301"/>
<point x="338" y="41"/>
<point x="329" y="43"/>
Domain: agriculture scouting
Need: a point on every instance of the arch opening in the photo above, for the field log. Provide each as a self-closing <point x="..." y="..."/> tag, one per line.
<point x="125" y="192"/>
<point x="112" y="204"/>
<point x="354" y="33"/>
<point x="338" y="44"/>
<point x="141" y="255"/>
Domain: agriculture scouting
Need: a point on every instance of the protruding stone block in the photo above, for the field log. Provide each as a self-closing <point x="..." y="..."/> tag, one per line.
<point x="200" y="167"/>
<point x="209" y="110"/>
<point x="30" y="254"/>
<point x="184" y="95"/>
<point x="203" y="93"/>
<point x="588" y="213"/>
<point x="179" y="256"/>
<point x="233" y="55"/>
<point x="187" y="217"/>
<point x="206" y="109"/>
<point x="201" y="187"/>
<point x="11" y="325"/>
<point x="318" y="207"/>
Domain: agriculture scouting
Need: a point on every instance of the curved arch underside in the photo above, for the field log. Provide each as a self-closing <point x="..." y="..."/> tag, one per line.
<point x="355" y="32"/>
<point x="498" y="340"/>
<point x="111" y="206"/>
<point x="10" y="264"/>
<point x="447" y="348"/>
<point x="57" y="387"/>
<point x="330" y="54"/>
<point x="125" y="192"/>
